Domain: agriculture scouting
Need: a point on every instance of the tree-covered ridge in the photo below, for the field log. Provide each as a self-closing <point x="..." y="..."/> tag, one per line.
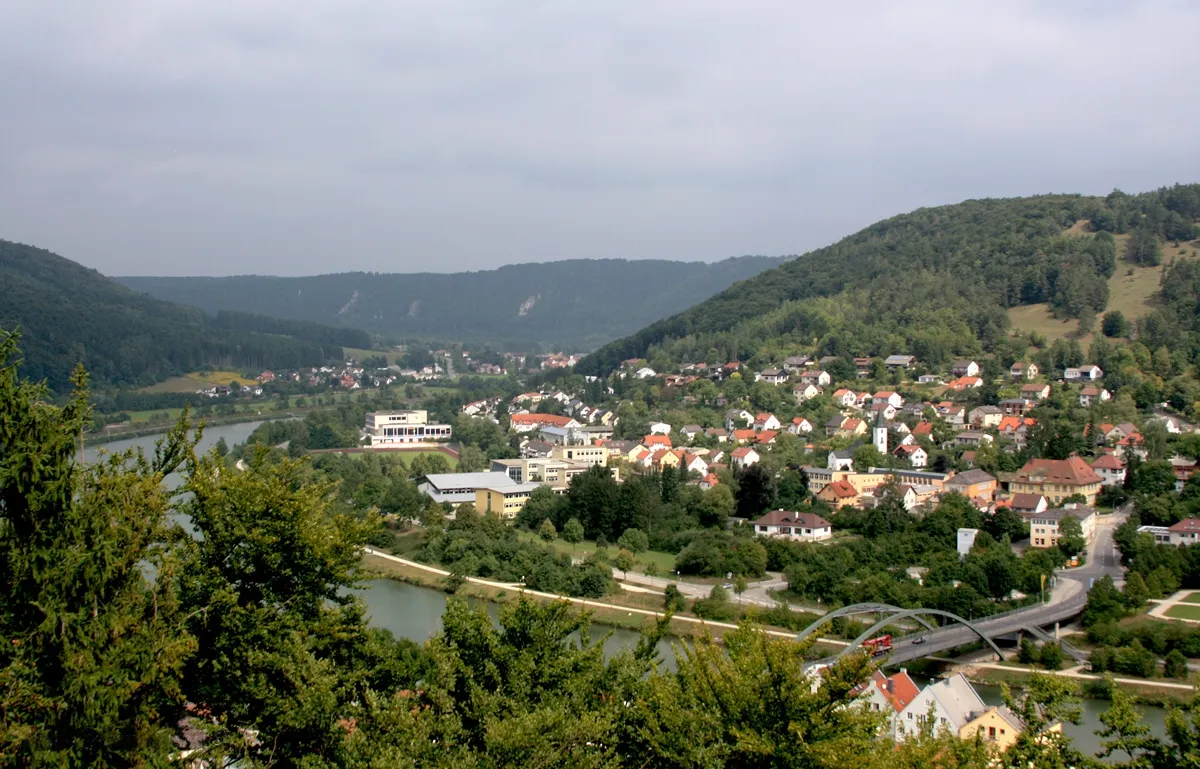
<point x="70" y="314"/>
<point x="934" y="282"/>
<point x="581" y="302"/>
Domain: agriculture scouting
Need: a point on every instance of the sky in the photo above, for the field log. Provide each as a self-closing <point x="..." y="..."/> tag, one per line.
<point x="216" y="137"/>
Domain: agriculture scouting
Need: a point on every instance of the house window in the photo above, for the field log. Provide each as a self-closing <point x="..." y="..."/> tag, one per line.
<point x="910" y="715"/>
<point x="1001" y="732"/>
<point x="991" y="732"/>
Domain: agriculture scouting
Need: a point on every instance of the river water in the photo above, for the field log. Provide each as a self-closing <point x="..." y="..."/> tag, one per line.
<point x="415" y="612"/>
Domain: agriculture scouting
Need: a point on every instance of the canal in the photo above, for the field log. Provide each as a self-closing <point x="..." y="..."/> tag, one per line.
<point x="415" y="612"/>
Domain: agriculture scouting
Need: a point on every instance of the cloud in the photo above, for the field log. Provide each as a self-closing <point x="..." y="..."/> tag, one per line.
<point x="215" y="137"/>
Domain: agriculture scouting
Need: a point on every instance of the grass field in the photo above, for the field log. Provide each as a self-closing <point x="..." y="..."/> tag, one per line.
<point x="197" y="380"/>
<point x="407" y="456"/>
<point x="1184" y="611"/>
<point x="1131" y="289"/>
<point x="665" y="561"/>
<point x="1191" y="598"/>
<point x="360" y="354"/>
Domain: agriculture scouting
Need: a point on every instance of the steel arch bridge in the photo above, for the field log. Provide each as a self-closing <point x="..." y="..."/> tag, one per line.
<point x="857" y="608"/>
<point x="917" y="614"/>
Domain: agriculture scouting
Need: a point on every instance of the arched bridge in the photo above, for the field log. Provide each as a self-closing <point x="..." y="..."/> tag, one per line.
<point x="961" y="631"/>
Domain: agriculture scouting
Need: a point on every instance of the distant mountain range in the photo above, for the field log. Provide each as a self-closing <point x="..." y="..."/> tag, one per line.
<point x="576" y="303"/>
<point x="69" y="314"/>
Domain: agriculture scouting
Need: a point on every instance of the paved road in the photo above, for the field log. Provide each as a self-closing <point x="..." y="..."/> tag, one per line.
<point x="756" y="592"/>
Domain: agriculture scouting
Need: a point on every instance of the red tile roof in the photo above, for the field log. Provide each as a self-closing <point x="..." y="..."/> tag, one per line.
<point x="1072" y="471"/>
<point x="841" y="489"/>
<point x="1186" y="526"/>
<point x="554" y="420"/>
<point x="1107" y="462"/>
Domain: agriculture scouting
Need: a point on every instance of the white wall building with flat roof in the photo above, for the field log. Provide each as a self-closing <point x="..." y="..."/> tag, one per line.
<point x="457" y="488"/>
<point x="394" y="428"/>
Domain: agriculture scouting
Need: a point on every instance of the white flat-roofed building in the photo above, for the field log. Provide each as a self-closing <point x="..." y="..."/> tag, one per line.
<point x="388" y="428"/>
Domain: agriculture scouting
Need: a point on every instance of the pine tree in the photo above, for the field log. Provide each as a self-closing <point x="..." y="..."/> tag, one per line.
<point x="92" y="645"/>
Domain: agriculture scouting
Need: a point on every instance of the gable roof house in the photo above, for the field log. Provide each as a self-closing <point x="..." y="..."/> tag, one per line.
<point x="985" y="416"/>
<point x="766" y="421"/>
<point x="845" y="398"/>
<point x="803" y="392"/>
<point x="691" y="431"/>
<point x="916" y="456"/>
<point x="1110" y="469"/>
<point x="1021" y="370"/>
<point x="905" y="362"/>
<point x="950" y="702"/>
<point x="1057" y="479"/>
<point x="973" y="484"/>
<point x="1037" y="391"/>
<point x="842" y="459"/>
<point x="963" y="368"/>
<point x="1090" y="395"/>
<point x="744" y="456"/>
<point x="794" y="363"/>
<point x="887" y="396"/>
<point x="1088" y="373"/>
<point x="1027" y="504"/>
<point x="816" y="377"/>
<point x="888" y="695"/>
<point x="773" y="376"/>
<point x="839" y="494"/>
<point x="735" y="416"/>
<point x="805" y="527"/>
<point x="800" y="425"/>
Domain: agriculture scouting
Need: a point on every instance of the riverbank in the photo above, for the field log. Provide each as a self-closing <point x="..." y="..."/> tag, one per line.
<point x="1147" y="691"/>
<point x="99" y="439"/>
<point x="631" y="610"/>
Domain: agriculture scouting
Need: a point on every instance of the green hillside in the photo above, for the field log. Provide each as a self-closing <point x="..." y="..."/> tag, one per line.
<point x="577" y="303"/>
<point x="70" y="314"/>
<point x="936" y="282"/>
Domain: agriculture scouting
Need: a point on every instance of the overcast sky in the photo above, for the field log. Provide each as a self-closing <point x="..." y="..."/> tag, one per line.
<point x="212" y="137"/>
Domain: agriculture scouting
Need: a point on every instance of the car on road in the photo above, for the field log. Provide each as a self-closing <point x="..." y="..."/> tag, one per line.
<point x="918" y="640"/>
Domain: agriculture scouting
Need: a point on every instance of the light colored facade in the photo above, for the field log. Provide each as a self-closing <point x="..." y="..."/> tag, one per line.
<point x="393" y="428"/>
<point x="1057" y="479"/>
<point x="1044" y="526"/>
<point x="505" y="502"/>
<point x="997" y="726"/>
<point x="584" y="455"/>
<point x="458" y="488"/>
<point x="803" y="527"/>
<point x="949" y="702"/>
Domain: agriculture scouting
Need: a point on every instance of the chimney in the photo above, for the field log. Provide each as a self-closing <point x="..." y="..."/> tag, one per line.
<point x="947" y="682"/>
<point x="891" y="686"/>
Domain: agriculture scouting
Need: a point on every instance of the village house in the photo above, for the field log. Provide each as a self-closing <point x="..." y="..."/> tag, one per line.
<point x="903" y="362"/>
<point x="923" y="430"/>
<point x="885" y="408"/>
<point x="1173" y="425"/>
<point x="1184" y="469"/>
<point x="972" y="439"/>
<point x="660" y="428"/>
<point x="816" y="377"/>
<point x="845" y="398"/>
<point x="1015" y="429"/>
<point x="985" y="416"/>
<point x="1015" y="407"/>
<point x="1088" y="373"/>
<point x="917" y="457"/>
<point x="952" y="413"/>
<point x="950" y="704"/>
<point x="657" y="441"/>
<point x="962" y="368"/>
<point x="973" y="484"/>
<point x="691" y="431"/>
<point x="929" y="379"/>
<point x="852" y="426"/>
<point x="694" y="463"/>
<point x="794" y="363"/>
<point x="1185" y="532"/>
<point x="738" y="418"/>
<point x="1026" y="505"/>
<point x="842" y="459"/>
<point x="1044" y="526"/>
<point x="839" y="494"/>
<point x="743" y="436"/>
<point x="1091" y="395"/>
<point x="1021" y="371"/>
<point x="887" y="396"/>
<point x="805" y="392"/>
<point x="1037" y="391"/>
<point x="709" y="481"/>
<point x="765" y="421"/>
<point x="766" y="437"/>
<point x="804" y="527"/>
<point x="1057" y="479"/>
<point x="527" y="423"/>
<point x="888" y="695"/>
<point x="772" y="376"/>
<point x="718" y="434"/>
<point x="800" y="425"/>
<point x="1110" y="469"/>
<point x="744" y="456"/>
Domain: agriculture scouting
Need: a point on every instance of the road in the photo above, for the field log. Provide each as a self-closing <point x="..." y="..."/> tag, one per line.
<point x="1065" y="602"/>
<point x="756" y="592"/>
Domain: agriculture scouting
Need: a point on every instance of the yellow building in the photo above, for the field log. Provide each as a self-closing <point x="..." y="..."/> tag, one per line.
<point x="504" y="501"/>
<point x="997" y="726"/>
<point x="585" y="455"/>
<point x="1057" y="479"/>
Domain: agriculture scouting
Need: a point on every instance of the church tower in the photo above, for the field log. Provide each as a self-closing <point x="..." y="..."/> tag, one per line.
<point x="879" y="434"/>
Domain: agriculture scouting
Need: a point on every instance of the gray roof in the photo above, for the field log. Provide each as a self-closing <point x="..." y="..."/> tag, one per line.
<point x="469" y="480"/>
<point x="958" y="698"/>
<point x="969" y="477"/>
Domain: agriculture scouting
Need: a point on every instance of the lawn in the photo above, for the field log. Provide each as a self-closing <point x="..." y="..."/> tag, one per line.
<point x="1133" y="290"/>
<point x="665" y="561"/>
<point x="1193" y="597"/>
<point x="407" y="455"/>
<point x="1184" y="611"/>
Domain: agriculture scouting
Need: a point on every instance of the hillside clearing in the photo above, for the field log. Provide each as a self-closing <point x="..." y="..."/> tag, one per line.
<point x="1132" y="290"/>
<point x="197" y="380"/>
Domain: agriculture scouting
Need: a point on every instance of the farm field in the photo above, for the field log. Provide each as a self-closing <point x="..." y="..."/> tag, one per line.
<point x="197" y="380"/>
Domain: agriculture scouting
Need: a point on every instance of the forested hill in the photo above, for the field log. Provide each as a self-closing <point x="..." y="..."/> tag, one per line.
<point x="574" y="303"/>
<point x="935" y="282"/>
<point x="69" y="314"/>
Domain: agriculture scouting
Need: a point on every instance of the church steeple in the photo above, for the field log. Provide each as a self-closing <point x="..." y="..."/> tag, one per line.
<point x="879" y="433"/>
